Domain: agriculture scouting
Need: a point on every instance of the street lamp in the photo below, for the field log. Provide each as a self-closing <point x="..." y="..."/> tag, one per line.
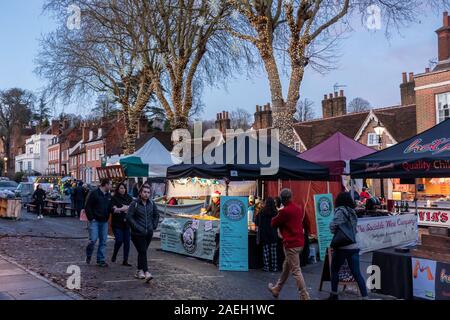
<point x="379" y="130"/>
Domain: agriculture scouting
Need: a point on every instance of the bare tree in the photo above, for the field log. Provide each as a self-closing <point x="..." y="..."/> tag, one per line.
<point x="305" y="111"/>
<point x="16" y="107"/>
<point x="241" y="119"/>
<point x="111" y="53"/>
<point x="359" y="105"/>
<point x="297" y="27"/>
<point x="105" y="108"/>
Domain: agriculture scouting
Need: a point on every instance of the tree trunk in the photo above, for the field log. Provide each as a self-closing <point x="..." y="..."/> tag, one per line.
<point x="283" y="118"/>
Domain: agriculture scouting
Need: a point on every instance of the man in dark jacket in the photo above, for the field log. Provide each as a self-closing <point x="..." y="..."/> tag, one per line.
<point x="98" y="209"/>
<point x="143" y="218"/>
<point x="290" y="222"/>
<point x="79" y="198"/>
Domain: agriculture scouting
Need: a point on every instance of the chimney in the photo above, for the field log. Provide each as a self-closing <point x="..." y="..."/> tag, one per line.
<point x="405" y="77"/>
<point x="84" y="132"/>
<point x="407" y="90"/>
<point x="427" y="70"/>
<point x="142" y="126"/>
<point x="263" y="117"/>
<point x="223" y="122"/>
<point x="91" y="135"/>
<point x="100" y="133"/>
<point x="55" y="128"/>
<point x="444" y="39"/>
<point x="334" y="106"/>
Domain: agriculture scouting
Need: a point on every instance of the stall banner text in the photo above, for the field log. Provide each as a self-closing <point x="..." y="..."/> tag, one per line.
<point x="233" y="234"/>
<point x="384" y="232"/>
<point x="433" y="217"/>
<point x="195" y="238"/>
<point x="323" y="204"/>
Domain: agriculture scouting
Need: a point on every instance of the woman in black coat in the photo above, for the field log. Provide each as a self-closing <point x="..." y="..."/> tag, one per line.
<point x="120" y="203"/>
<point x="267" y="235"/>
<point x="38" y="197"/>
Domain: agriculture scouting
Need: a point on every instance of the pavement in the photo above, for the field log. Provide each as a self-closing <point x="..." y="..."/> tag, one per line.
<point x="35" y="256"/>
<point x="18" y="283"/>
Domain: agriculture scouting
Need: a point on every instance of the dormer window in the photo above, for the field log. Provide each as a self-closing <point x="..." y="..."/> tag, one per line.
<point x="442" y="107"/>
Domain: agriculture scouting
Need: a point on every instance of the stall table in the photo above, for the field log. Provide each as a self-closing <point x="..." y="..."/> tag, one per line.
<point x="58" y="205"/>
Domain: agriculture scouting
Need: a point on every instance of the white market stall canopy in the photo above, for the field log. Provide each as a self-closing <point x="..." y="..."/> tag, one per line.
<point x="153" y="154"/>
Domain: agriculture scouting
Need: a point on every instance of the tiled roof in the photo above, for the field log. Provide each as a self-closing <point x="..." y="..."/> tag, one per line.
<point x="400" y="122"/>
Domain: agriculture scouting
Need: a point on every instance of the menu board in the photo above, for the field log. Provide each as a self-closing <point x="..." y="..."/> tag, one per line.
<point x="233" y="234"/>
<point x="191" y="237"/>
<point x="323" y="204"/>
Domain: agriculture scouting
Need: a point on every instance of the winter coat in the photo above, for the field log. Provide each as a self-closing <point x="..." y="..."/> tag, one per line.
<point x="98" y="206"/>
<point x="266" y="233"/>
<point x="142" y="217"/>
<point x="119" y="220"/>
<point x="290" y="222"/>
<point x="39" y="196"/>
<point x="341" y="214"/>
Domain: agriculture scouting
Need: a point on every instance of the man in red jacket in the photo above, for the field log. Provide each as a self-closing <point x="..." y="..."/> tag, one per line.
<point x="290" y="222"/>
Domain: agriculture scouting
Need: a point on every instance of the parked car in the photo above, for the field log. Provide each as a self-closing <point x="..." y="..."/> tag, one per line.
<point x="25" y="191"/>
<point x="8" y="185"/>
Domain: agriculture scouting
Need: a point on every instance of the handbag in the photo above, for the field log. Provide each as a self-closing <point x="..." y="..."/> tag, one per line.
<point x="344" y="235"/>
<point x="83" y="216"/>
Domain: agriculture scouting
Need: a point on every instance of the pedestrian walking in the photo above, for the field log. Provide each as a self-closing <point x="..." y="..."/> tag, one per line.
<point x="120" y="203"/>
<point x="289" y="221"/>
<point x="98" y="208"/>
<point x="267" y="235"/>
<point x="345" y="217"/>
<point x="79" y="198"/>
<point x="38" y="197"/>
<point x="143" y="218"/>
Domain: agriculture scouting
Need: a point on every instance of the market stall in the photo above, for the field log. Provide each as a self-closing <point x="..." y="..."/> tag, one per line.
<point x="424" y="156"/>
<point x="244" y="165"/>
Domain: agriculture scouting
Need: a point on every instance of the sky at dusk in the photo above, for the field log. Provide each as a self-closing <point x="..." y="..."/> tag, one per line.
<point x="370" y="65"/>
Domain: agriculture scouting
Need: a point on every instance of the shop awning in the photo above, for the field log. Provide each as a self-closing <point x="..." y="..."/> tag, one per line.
<point x="251" y="160"/>
<point x="134" y="167"/>
<point x="426" y="155"/>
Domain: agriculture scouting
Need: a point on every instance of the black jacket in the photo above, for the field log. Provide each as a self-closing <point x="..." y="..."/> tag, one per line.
<point x="79" y="194"/>
<point x="119" y="220"/>
<point x="266" y="233"/>
<point x="142" y="217"/>
<point x="214" y="210"/>
<point x="39" y="196"/>
<point x="98" y="206"/>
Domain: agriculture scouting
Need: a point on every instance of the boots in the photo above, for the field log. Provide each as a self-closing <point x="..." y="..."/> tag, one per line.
<point x="274" y="290"/>
<point x="304" y="295"/>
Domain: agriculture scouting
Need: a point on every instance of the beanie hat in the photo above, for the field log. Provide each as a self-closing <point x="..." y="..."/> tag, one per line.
<point x="216" y="194"/>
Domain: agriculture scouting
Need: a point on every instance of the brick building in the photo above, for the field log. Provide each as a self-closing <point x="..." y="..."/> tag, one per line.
<point x="433" y="87"/>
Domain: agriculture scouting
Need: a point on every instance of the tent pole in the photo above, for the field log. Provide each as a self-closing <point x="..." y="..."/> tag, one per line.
<point x="415" y="196"/>
<point x="328" y="186"/>
<point x="352" y="188"/>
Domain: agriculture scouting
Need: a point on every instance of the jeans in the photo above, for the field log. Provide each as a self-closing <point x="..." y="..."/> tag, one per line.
<point x="352" y="257"/>
<point x="97" y="231"/>
<point x="40" y="208"/>
<point x="142" y="243"/>
<point x="291" y="265"/>
<point x="122" y="236"/>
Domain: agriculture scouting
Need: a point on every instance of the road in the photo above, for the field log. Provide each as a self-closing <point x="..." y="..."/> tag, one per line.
<point x="49" y="246"/>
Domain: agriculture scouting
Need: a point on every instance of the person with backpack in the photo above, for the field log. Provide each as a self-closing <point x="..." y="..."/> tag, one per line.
<point x="345" y="218"/>
<point x="143" y="219"/>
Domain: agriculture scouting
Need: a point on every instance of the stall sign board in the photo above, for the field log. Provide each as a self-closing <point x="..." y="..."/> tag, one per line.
<point x="323" y="204"/>
<point x="442" y="281"/>
<point x="233" y="234"/>
<point x="195" y="238"/>
<point x="433" y="217"/>
<point x="111" y="172"/>
<point x="424" y="278"/>
<point x="385" y="232"/>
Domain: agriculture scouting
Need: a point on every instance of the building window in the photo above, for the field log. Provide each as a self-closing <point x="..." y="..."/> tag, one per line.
<point x="373" y="140"/>
<point x="29" y="166"/>
<point x="97" y="154"/>
<point x="89" y="155"/>
<point x="443" y="107"/>
<point x="297" y="146"/>
<point x="31" y="150"/>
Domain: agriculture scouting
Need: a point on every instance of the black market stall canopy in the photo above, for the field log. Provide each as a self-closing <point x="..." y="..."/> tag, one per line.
<point x="426" y="155"/>
<point x="246" y="157"/>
